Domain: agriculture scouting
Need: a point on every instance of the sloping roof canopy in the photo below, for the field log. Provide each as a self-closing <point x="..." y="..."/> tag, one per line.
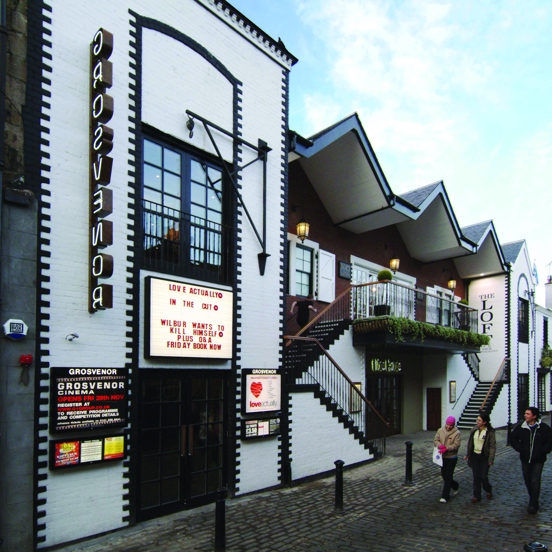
<point x="343" y="168"/>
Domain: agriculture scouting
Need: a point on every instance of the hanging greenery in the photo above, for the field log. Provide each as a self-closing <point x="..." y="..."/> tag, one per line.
<point x="546" y="357"/>
<point x="404" y="327"/>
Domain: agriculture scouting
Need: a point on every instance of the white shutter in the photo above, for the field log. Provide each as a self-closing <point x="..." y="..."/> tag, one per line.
<point x="326" y="276"/>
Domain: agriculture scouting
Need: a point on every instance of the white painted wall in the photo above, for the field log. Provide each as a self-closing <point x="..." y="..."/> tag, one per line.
<point x="175" y="79"/>
<point x="258" y="465"/>
<point x="316" y="435"/>
<point x="318" y="439"/>
<point x="489" y="296"/>
<point x="439" y="371"/>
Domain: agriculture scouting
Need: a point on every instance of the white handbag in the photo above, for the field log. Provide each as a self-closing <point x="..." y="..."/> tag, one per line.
<point x="437" y="457"/>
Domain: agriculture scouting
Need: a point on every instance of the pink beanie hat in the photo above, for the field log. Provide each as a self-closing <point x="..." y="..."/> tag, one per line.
<point x="451" y="420"/>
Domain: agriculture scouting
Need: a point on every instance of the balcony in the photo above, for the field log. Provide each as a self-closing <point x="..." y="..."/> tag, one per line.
<point x="391" y="315"/>
<point x="183" y="244"/>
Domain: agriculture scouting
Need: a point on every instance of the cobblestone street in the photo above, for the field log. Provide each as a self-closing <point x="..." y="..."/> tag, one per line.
<point x="380" y="512"/>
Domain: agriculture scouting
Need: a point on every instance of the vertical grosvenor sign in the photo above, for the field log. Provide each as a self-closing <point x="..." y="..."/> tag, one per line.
<point x="101" y="111"/>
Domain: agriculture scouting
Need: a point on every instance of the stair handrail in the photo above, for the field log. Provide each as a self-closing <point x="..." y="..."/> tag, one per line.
<point x="498" y="373"/>
<point x="351" y="307"/>
<point x="472" y="361"/>
<point x="462" y="392"/>
<point x="340" y="370"/>
<point x="322" y="313"/>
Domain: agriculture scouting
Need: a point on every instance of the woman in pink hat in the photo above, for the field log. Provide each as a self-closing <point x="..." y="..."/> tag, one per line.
<point x="447" y="439"/>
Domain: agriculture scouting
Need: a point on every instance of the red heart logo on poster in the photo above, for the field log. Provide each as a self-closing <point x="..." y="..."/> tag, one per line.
<point x="256" y="388"/>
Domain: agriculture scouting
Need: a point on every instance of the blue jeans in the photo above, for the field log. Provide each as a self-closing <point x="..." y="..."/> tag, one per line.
<point x="447" y="473"/>
<point x="480" y="469"/>
<point x="532" y="476"/>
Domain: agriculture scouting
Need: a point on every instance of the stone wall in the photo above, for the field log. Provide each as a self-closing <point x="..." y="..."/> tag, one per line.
<point x="17" y="301"/>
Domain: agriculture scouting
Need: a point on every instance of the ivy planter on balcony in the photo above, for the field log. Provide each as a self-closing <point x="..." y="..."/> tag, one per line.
<point x="383" y="308"/>
<point x="405" y="329"/>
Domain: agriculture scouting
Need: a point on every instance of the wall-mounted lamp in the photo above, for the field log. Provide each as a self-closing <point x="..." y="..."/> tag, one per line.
<point x="451" y="284"/>
<point x="72" y="336"/>
<point x="395" y="262"/>
<point x="190" y="126"/>
<point x="302" y="226"/>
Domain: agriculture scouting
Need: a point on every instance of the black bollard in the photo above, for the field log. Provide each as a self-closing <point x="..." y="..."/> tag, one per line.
<point x="220" y="520"/>
<point x="339" y="485"/>
<point x="535" y="547"/>
<point x="408" y="475"/>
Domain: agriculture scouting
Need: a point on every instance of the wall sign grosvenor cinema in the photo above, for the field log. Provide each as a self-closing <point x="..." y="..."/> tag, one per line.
<point x="186" y="320"/>
<point x="101" y="197"/>
<point x="88" y="398"/>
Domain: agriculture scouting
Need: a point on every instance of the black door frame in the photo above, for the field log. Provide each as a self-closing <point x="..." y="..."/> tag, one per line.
<point x="185" y="500"/>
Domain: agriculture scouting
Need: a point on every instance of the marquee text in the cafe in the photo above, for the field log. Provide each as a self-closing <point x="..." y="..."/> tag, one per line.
<point x="101" y="110"/>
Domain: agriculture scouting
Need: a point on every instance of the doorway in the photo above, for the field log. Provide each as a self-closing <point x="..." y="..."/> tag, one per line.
<point x="433" y="408"/>
<point x="383" y="390"/>
<point x="182" y="445"/>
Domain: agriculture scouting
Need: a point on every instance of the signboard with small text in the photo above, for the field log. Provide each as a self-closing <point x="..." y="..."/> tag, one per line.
<point x="77" y="452"/>
<point x="186" y="320"/>
<point x="268" y="427"/>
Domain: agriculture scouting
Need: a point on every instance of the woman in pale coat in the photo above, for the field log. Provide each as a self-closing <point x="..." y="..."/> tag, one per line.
<point x="447" y="439"/>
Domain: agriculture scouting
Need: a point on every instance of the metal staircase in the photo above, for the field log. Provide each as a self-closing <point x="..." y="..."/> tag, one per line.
<point x="310" y="368"/>
<point x="473" y="408"/>
<point x="484" y="397"/>
<point x="472" y="361"/>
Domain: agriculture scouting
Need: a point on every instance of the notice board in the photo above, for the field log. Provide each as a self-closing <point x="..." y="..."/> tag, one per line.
<point x="88" y="398"/>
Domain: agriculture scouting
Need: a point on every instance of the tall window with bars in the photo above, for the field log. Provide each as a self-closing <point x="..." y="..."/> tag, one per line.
<point x="523" y="320"/>
<point x="183" y="212"/>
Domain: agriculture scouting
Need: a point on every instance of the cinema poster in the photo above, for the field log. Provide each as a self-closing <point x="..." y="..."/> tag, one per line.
<point x="70" y="453"/>
<point x="262" y="390"/>
<point x="88" y="398"/>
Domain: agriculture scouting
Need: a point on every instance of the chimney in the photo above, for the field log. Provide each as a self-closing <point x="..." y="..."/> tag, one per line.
<point x="548" y="293"/>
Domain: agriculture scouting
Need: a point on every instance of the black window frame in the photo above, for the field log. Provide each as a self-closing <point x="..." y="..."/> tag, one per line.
<point x="523" y="394"/>
<point x="182" y="242"/>
<point x="523" y="320"/>
<point x="310" y="274"/>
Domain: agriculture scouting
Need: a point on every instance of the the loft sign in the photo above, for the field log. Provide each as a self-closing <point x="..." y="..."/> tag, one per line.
<point x="101" y="110"/>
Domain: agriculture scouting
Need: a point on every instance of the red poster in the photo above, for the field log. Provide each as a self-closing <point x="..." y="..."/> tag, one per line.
<point x="67" y="453"/>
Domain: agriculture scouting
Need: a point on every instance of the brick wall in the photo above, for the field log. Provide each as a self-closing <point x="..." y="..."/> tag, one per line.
<point x="369" y="245"/>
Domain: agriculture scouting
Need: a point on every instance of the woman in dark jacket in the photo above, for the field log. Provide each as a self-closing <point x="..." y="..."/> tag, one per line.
<point x="480" y="455"/>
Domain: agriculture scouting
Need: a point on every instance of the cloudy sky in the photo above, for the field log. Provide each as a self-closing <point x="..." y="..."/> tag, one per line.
<point x="459" y="91"/>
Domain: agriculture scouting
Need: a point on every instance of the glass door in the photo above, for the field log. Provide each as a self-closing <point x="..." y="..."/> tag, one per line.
<point x="363" y="303"/>
<point x="384" y="390"/>
<point x="182" y="441"/>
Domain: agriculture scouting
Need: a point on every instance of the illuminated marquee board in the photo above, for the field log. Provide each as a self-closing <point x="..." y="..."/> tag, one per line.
<point x="88" y="398"/>
<point x="187" y="320"/>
